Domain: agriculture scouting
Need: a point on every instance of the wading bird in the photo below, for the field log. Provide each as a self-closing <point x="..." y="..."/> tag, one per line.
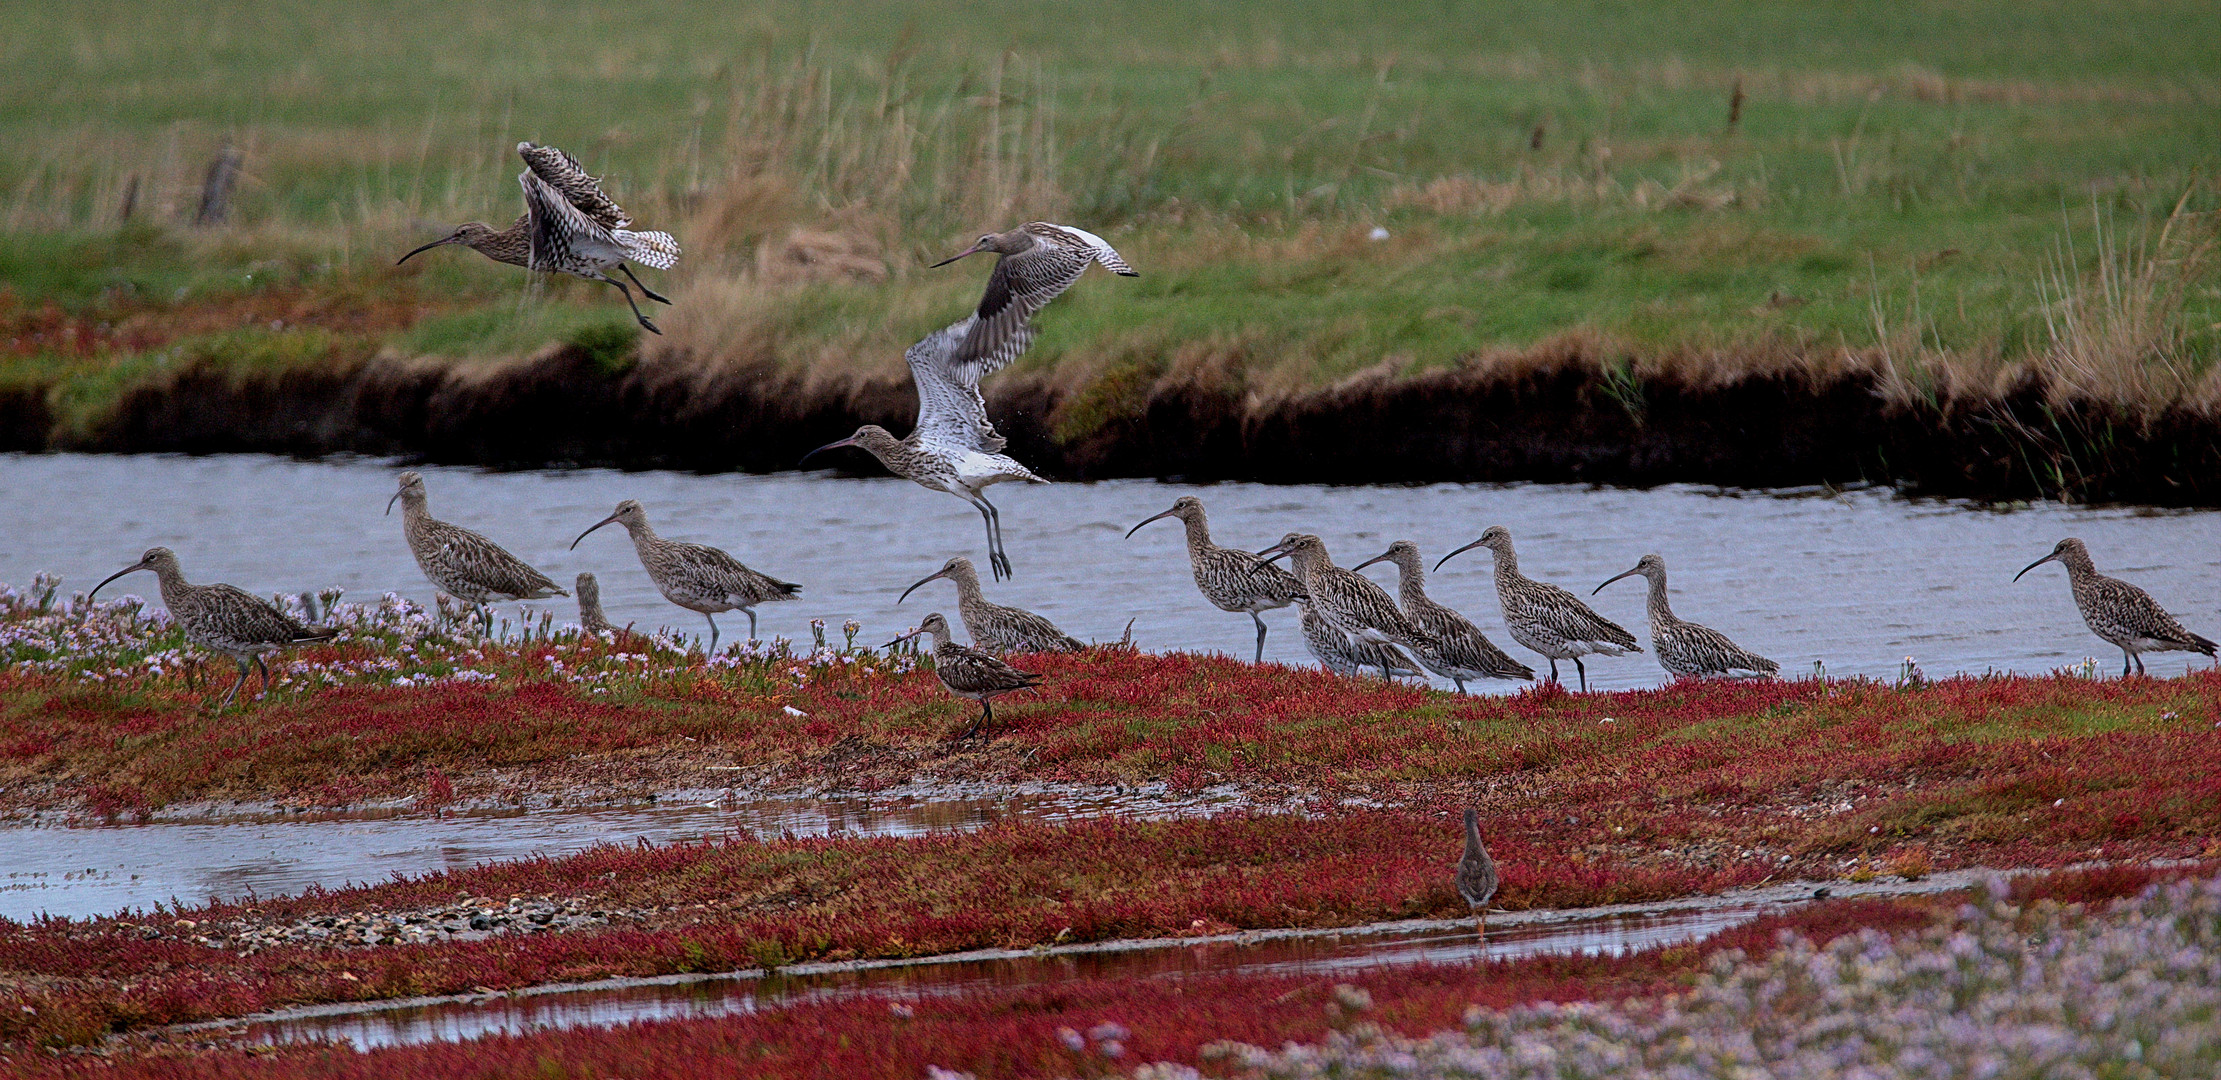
<point x="462" y="563"/>
<point x="696" y="577"/>
<point x="1230" y="578"/>
<point x="1459" y="650"/>
<point x="1476" y="872"/>
<point x="954" y="448"/>
<point x="1336" y="653"/>
<point x="968" y="672"/>
<point x="590" y="617"/>
<point x="1544" y="617"/>
<point x="221" y="618"/>
<point x="569" y="227"/>
<point x="2125" y="616"/>
<point x="994" y="627"/>
<point x="1684" y="648"/>
<point x="1361" y="610"/>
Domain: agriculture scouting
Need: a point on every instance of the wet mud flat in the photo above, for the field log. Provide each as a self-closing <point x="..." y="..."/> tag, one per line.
<point x="1563" y="417"/>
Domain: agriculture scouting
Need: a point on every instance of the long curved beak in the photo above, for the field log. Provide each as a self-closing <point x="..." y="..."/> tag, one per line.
<point x="389" y="503"/>
<point x="103" y="581"/>
<point x="1382" y="557"/>
<point x="597" y="525"/>
<point x="973" y="250"/>
<point x="427" y="247"/>
<point x="834" y="445"/>
<point x="1274" y="553"/>
<point x="1446" y="558"/>
<point x="901" y="639"/>
<point x="1607" y="581"/>
<point x="934" y="576"/>
<point x="2037" y="563"/>
<point x="1160" y="517"/>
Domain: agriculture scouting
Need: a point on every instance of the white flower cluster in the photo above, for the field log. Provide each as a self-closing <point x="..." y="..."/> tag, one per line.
<point x="2004" y="993"/>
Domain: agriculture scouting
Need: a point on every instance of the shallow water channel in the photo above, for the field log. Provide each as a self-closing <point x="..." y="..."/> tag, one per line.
<point x="1859" y="581"/>
<point x="81" y="869"/>
<point x="1607" y="931"/>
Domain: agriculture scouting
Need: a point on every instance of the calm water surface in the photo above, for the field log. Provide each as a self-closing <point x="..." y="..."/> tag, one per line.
<point x="1859" y="581"/>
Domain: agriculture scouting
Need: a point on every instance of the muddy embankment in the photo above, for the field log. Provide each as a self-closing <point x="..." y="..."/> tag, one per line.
<point x="1564" y="421"/>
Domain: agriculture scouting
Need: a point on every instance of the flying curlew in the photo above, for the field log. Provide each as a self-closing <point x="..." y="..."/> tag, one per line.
<point x="1336" y="653"/>
<point x="1459" y="650"/>
<point x="590" y="617"/>
<point x="1230" y="578"/>
<point x="968" y="672"/>
<point x="221" y="618"/>
<point x="467" y="566"/>
<point x="994" y="627"/>
<point x="1544" y="617"/>
<point x="1476" y="871"/>
<point x="569" y="227"/>
<point x="1351" y="602"/>
<point x="954" y="448"/>
<point x="2125" y="616"/>
<point x="1686" y="649"/>
<point x="696" y="577"/>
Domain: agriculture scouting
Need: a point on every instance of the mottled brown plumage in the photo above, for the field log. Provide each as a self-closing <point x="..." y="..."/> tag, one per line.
<point x="1336" y="653"/>
<point x="2125" y="616"/>
<point x="1351" y="602"/>
<point x="995" y="627"/>
<point x="1685" y="649"/>
<point x="1459" y="651"/>
<point x="221" y="618"/>
<point x="462" y="563"/>
<point x="1034" y="264"/>
<point x="1476" y="871"/>
<point x="1544" y="617"/>
<point x="1230" y="578"/>
<point x="968" y="672"/>
<point x="696" y="577"/>
<point x="570" y="226"/>
<point x="590" y="616"/>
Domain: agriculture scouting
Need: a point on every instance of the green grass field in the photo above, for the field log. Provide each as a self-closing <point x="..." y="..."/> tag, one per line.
<point x="1949" y="191"/>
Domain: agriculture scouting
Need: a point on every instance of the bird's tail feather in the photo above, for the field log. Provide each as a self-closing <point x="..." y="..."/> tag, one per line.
<point x="656" y="249"/>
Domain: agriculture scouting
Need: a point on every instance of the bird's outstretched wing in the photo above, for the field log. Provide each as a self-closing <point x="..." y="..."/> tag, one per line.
<point x="950" y="410"/>
<point x="562" y="172"/>
<point x="1022" y="285"/>
<point x="559" y="231"/>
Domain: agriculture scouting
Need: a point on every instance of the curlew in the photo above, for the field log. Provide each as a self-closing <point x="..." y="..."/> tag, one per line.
<point x="1230" y="578"/>
<point x="1459" y="650"/>
<point x="1544" y="617"/>
<point x="222" y="618"/>
<point x="569" y="227"/>
<point x="1361" y="610"/>
<point x="1476" y="871"/>
<point x="591" y="620"/>
<point x="696" y="577"/>
<point x="2125" y="616"/>
<point x="994" y="627"/>
<point x="1336" y="653"/>
<point x="462" y="563"/>
<point x="954" y="448"/>
<point x="968" y="672"/>
<point x="1685" y="649"/>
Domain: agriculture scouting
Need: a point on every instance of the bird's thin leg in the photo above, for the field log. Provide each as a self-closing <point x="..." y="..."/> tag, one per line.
<point x="620" y="287"/>
<point x="751" y="623"/>
<point x="712" y="650"/>
<point x="1554" y="670"/>
<point x="234" y="691"/>
<point x="2139" y="664"/>
<point x="1584" y="674"/>
<point x="1484" y="924"/>
<point x="2126" y="660"/>
<point x="1260" y="636"/>
<point x="265" y="670"/>
<point x="987" y="712"/>
<point x="644" y="290"/>
<point x="995" y="518"/>
<point x="1461" y="684"/>
<point x="995" y="563"/>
